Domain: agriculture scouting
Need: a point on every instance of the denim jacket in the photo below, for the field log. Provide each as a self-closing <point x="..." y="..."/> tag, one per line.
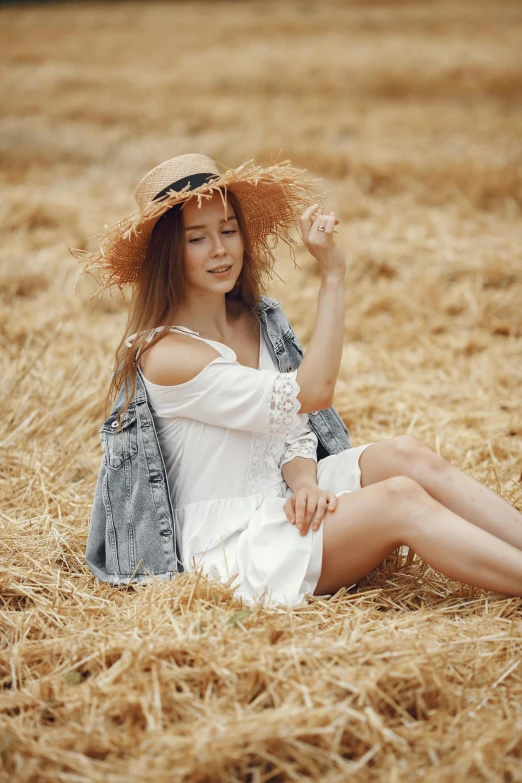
<point x="131" y="529"/>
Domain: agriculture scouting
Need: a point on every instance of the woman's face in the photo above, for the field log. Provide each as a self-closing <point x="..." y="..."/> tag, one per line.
<point x="212" y="241"/>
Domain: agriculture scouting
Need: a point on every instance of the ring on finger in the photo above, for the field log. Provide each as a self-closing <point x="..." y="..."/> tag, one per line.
<point x="321" y="228"/>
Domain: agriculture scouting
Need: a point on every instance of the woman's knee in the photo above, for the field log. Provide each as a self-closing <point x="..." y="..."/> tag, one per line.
<point x="407" y="503"/>
<point x="399" y="456"/>
<point x="408" y="450"/>
<point x="402" y="488"/>
<point x="392" y="502"/>
<point x="378" y="518"/>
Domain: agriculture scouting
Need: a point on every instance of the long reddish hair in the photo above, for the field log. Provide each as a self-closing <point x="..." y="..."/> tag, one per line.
<point x="160" y="290"/>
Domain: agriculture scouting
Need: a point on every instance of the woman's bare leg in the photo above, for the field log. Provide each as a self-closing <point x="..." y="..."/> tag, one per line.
<point x="471" y="500"/>
<point x="370" y="523"/>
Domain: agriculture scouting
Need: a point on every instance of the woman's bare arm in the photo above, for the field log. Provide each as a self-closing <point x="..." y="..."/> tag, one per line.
<point x="319" y="368"/>
<point x="299" y="471"/>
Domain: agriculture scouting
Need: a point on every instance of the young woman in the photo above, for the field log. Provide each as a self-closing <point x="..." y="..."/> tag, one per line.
<point x="213" y="369"/>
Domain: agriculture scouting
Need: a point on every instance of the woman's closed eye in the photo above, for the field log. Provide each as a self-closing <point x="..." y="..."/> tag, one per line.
<point x="227" y="231"/>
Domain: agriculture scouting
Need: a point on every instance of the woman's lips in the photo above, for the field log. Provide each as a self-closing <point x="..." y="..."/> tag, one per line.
<point x="220" y="274"/>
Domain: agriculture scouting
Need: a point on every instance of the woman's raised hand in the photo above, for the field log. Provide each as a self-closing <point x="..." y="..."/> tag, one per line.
<point x="318" y="238"/>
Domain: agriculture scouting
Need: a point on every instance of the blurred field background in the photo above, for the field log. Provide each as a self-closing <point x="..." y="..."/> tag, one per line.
<point x="412" y="114"/>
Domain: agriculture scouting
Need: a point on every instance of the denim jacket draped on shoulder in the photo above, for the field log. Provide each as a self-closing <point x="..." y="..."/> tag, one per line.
<point x="131" y="529"/>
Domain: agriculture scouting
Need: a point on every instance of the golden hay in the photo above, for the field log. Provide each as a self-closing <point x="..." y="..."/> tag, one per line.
<point x="412" y="114"/>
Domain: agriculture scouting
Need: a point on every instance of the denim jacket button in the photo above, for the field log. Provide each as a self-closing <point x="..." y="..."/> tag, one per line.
<point x="290" y="368"/>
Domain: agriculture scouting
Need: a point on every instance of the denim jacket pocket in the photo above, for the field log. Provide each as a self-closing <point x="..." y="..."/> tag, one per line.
<point x="119" y="444"/>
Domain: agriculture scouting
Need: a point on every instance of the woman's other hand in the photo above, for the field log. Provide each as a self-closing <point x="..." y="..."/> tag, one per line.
<point x="321" y="243"/>
<point x="309" y="504"/>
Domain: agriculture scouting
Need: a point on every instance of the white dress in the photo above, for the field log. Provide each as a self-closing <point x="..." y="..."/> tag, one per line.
<point x="224" y="436"/>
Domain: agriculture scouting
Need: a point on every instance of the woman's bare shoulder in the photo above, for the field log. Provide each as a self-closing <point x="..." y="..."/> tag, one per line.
<point x="175" y="359"/>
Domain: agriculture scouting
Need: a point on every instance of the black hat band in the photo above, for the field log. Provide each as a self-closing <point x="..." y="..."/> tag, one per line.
<point x="194" y="180"/>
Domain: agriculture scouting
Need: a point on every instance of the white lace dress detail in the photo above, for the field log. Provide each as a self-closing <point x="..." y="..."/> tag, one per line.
<point x="263" y="467"/>
<point x="304" y="445"/>
<point x="290" y="433"/>
<point x="284" y="408"/>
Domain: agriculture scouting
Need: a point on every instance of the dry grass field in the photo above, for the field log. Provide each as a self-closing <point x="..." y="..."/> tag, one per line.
<point x="412" y="115"/>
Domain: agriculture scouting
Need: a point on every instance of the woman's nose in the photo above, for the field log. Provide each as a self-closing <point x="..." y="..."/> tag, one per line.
<point x="218" y="249"/>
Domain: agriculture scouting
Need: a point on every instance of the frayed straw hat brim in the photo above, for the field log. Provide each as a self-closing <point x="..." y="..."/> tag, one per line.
<point x="271" y="200"/>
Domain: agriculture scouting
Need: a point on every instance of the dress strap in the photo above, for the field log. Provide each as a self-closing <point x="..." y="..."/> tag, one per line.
<point x="184" y="329"/>
<point x="153" y="332"/>
<point x="226" y="352"/>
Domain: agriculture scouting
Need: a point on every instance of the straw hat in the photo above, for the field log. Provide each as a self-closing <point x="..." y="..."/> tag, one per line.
<point x="271" y="199"/>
